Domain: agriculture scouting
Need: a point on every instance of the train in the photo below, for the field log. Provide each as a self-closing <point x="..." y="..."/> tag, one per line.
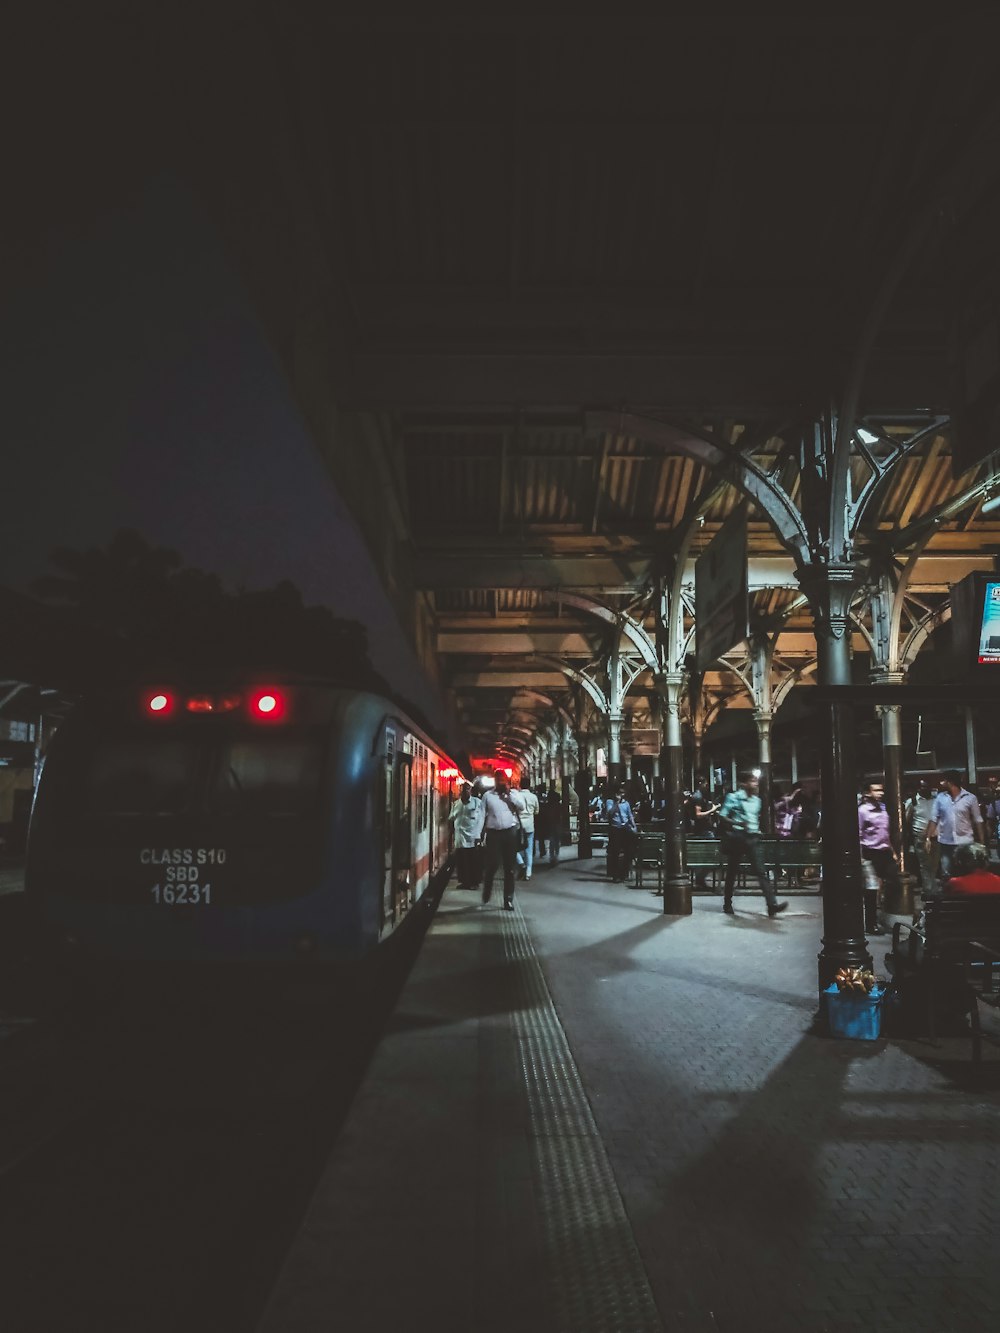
<point x="242" y="818"/>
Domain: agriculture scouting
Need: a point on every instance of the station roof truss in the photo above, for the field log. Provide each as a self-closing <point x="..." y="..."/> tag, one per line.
<point x="586" y="285"/>
<point x="595" y="310"/>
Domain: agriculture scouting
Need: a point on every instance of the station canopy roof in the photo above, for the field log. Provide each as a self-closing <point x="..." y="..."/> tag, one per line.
<point x="518" y="246"/>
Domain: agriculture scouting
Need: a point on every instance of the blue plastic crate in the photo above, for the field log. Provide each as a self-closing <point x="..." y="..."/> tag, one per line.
<point x="856" y="1016"/>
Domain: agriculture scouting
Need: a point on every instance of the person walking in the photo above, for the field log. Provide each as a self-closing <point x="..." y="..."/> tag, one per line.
<point x="467" y="815"/>
<point x="878" y="858"/>
<point x="621" y="832"/>
<point x="990" y="806"/>
<point x="541" y="823"/>
<point x="740" y="821"/>
<point x="503" y="809"/>
<point x="554" y="825"/>
<point x="786" y="813"/>
<point x="526" y="857"/>
<point x="699" y="812"/>
<point x="917" y="814"/>
<point x="956" y="821"/>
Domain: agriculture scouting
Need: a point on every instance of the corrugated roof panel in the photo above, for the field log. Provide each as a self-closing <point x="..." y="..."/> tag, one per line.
<point x="555" y="488"/>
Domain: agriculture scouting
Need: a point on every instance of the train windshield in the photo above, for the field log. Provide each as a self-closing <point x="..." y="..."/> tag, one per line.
<point x="267" y="775"/>
<point x="133" y="777"/>
<point x="238" y="776"/>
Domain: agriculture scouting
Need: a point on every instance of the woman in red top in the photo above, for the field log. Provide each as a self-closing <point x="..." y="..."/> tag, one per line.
<point x="972" y="873"/>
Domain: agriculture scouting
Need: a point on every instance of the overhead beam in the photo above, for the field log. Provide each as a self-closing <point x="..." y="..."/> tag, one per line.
<point x="504" y="570"/>
<point x="623" y="573"/>
<point x="508" y="680"/>
<point x="752" y="381"/>
<point x="486" y="641"/>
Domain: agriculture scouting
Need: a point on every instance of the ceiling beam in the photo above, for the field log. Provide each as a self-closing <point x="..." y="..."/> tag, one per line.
<point x="746" y="382"/>
<point x="559" y="644"/>
<point x="509" y="680"/>
<point x="624" y="573"/>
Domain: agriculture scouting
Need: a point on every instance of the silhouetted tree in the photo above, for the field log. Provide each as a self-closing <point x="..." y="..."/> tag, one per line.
<point x="141" y="607"/>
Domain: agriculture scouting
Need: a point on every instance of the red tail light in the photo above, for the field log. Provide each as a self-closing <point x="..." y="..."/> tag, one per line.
<point x="268" y="705"/>
<point x="159" y="703"/>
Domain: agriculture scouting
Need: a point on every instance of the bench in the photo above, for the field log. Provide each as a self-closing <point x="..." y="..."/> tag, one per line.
<point x="782" y="856"/>
<point x="649" y="859"/>
<point x="982" y="978"/>
<point x="598" y="833"/>
<point x="797" y="855"/>
<point x="951" y="953"/>
<point x="703" y="858"/>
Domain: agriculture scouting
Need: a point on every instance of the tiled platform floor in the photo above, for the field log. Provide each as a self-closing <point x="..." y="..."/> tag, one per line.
<point x="766" y="1178"/>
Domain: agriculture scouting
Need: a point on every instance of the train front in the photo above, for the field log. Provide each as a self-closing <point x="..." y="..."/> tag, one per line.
<point x="203" y="824"/>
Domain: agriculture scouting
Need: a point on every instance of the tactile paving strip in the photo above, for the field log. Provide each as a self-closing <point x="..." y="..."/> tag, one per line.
<point x="600" y="1285"/>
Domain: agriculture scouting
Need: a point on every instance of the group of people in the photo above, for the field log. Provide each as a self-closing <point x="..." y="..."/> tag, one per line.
<point x="948" y="832"/>
<point x="941" y="816"/>
<point x="503" y="828"/>
<point x="738" y="819"/>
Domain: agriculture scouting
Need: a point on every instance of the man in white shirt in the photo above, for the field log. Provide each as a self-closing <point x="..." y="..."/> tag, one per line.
<point x="525" y="857"/>
<point x="503" y="834"/>
<point x="467" y="815"/>
<point x="917" y="815"/>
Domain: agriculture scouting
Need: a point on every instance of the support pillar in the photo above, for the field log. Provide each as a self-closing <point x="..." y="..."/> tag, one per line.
<point x="697" y="745"/>
<point x="761" y="655"/>
<point x="616" y="769"/>
<point x="970" y="746"/>
<point x="676" y="886"/>
<point x="763" y="720"/>
<point x="829" y="589"/>
<point x="582" y="784"/>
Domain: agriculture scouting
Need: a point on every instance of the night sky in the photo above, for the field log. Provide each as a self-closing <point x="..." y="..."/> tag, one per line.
<point x="137" y="390"/>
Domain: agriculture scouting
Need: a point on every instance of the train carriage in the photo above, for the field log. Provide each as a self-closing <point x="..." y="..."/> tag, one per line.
<point x="266" y="820"/>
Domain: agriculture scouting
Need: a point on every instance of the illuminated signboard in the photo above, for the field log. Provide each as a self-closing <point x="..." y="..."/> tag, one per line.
<point x="989" y="625"/>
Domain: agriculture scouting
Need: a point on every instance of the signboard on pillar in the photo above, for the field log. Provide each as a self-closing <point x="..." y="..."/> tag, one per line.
<point x="721" y="592"/>
<point x="641" y="740"/>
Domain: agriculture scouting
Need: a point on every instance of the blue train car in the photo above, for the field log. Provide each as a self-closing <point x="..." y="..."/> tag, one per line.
<point x="265" y="820"/>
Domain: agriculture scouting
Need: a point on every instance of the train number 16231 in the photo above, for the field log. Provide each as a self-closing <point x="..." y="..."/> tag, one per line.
<point x="173" y="895"/>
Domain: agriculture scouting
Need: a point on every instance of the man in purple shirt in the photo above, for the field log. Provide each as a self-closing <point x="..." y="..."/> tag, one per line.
<point x="876" y="850"/>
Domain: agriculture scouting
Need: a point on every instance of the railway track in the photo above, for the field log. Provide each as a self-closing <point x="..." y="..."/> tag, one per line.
<point x="161" y="1139"/>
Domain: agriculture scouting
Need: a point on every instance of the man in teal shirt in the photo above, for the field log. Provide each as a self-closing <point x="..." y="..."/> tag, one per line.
<point x="740" y="820"/>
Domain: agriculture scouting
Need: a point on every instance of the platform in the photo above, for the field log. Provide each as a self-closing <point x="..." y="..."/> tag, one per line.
<point x="588" y="1116"/>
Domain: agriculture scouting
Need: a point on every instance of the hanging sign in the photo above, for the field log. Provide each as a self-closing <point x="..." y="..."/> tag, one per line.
<point x="722" y="592"/>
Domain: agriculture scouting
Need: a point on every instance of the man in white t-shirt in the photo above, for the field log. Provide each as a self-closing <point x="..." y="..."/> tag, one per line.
<point x="917" y="814"/>
<point x="525" y="857"/>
